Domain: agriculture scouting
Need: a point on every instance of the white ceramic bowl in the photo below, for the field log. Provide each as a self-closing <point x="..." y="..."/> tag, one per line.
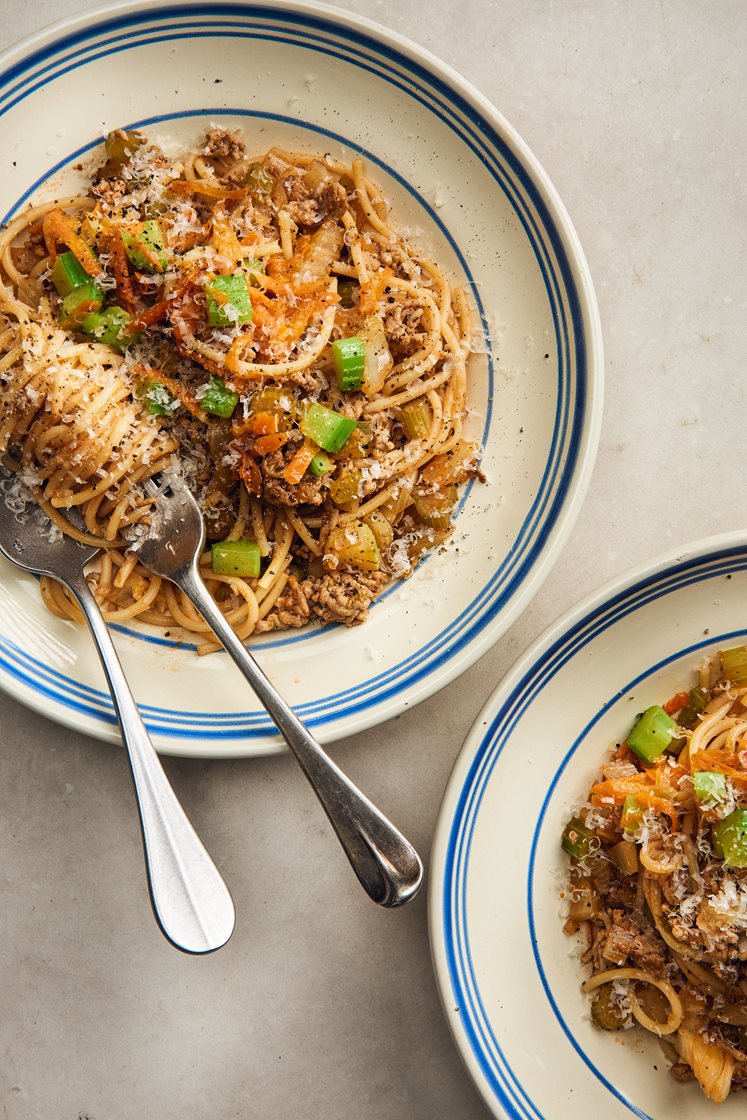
<point x="508" y="976"/>
<point x="469" y="192"/>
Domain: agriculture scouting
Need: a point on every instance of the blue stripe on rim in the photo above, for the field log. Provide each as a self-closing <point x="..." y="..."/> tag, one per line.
<point x="474" y="1017"/>
<point x="475" y="138"/>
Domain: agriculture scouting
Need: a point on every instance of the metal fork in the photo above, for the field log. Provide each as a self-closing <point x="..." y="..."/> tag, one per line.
<point x="190" y="900"/>
<point x="386" y="864"/>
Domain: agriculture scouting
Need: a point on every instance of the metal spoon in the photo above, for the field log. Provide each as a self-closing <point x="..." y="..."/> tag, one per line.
<point x="387" y="865"/>
<point x="190" y="900"/>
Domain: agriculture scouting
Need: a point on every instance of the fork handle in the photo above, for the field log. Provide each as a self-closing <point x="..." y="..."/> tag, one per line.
<point x="386" y="864"/>
<point x="191" y="902"/>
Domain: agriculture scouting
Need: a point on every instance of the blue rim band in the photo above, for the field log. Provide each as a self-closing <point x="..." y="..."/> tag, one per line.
<point x="439" y="99"/>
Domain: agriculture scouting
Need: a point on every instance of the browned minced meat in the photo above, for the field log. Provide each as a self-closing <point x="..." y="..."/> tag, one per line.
<point x="402" y="324"/>
<point x="631" y="937"/>
<point x="682" y="1072"/>
<point x="309" y="208"/>
<point x="343" y="596"/>
<point x="276" y="490"/>
<point x="289" y="612"/>
<point x="616" y="889"/>
<point x="109" y="191"/>
<point x="225" y="146"/>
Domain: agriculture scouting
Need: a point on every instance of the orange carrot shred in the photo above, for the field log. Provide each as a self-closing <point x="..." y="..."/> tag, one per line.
<point x="265" y="445"/>
<point x="676" y="703"/>
<point x="299" y="464"/>
<point x="58" y="229"/>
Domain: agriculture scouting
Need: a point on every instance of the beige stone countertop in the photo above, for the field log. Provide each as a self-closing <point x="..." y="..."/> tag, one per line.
<point x="323" y="1005"/>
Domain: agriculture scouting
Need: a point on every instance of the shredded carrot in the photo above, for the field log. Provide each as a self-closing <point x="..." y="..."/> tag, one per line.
<point x="260" y="424"/>
<point x="722" y="761"/>
<point x="639" y="787"/>
<point x="183" y="395"/>
<point x="677" y="702"/>
<point x="120" y="267"/>
<point x="265" y="445"/>
<point x="59" y="230"/>
<point x="207" y="190"/>
<point x="299" y="464"/>
<point x="153" y="315"/>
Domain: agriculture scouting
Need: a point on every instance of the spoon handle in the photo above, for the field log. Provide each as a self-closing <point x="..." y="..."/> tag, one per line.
<point x="386" y="864"/>
<point x="191" y="902"/>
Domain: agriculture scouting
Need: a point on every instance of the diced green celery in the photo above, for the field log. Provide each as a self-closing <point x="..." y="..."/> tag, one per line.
<point x="709" y="785"/>
<point x="734" y="664"/>
<point x="730" y="839"/>
<point x="147" y="249"/>
<point x="159" y="401"/>
<point x="578" y="840"/>
<point x="108" y="326"/>
<point x="236" y="558"/>
<point x="652" y="733"/>
<point x="321" y="464"/>
<point x="435" y="509"/>
<point x="688" y="716"/>
<point x="67" y="274"/>
<point x="632" y="814"/>
<point x="415" y="419"/>
<point x="606" y="1009"/>
<point x="349" y="357"/>
<point x="227" y="301"/>
<point x="81" y="302"/>
<point x="329" y="429"/>
<point x="219" y="400"/>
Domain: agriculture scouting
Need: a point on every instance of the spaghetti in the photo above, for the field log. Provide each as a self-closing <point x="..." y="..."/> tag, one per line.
<point x="658" y="880"/>
<point x="258" y="326"/>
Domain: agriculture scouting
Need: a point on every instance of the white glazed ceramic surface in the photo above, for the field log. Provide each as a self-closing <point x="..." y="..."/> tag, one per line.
<point x="467" y="190"/>
<point x="508" y="976"/>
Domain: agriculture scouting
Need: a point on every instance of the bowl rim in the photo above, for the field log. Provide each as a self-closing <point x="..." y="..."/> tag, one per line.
<point x="701" y="551"/>
<point x="590" y="372"/>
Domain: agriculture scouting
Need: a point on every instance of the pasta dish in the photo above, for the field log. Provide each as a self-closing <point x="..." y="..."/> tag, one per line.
<point x="658" y="880"/>
<point x="256" y="326"/>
